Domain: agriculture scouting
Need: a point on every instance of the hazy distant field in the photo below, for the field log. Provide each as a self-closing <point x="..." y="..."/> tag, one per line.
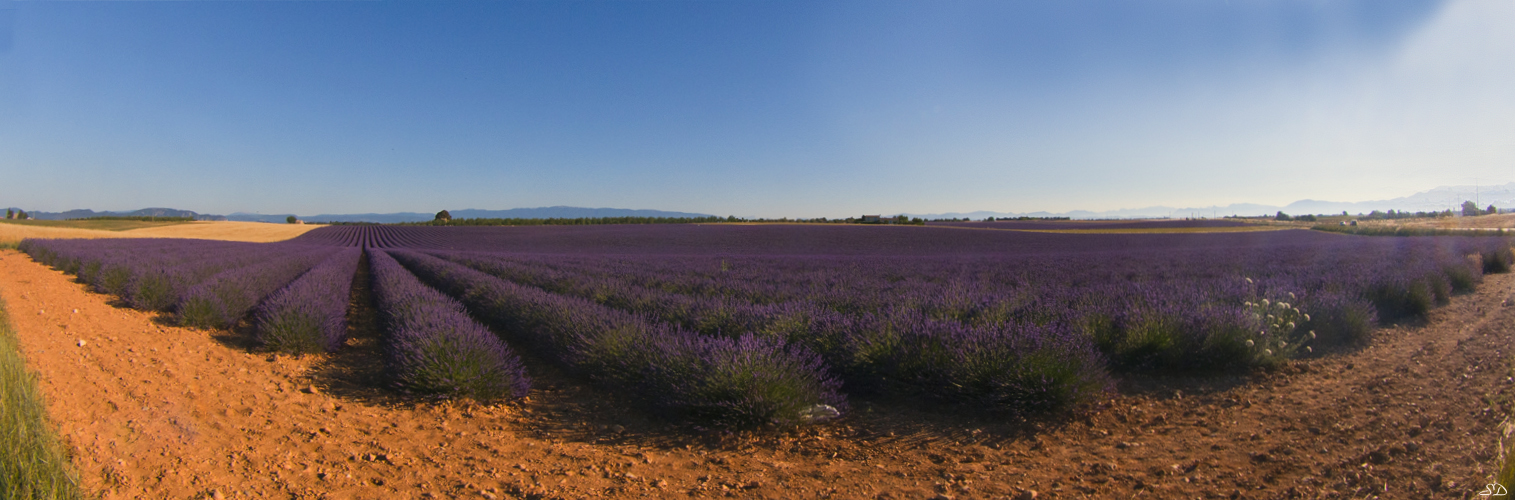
<point x="13" y="231"/>
<point x="1113" y="226"/>
<point x="97" y="224"/>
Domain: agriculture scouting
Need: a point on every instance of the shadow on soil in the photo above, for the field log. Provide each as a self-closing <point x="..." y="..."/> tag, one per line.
<point x="356" y="371"/>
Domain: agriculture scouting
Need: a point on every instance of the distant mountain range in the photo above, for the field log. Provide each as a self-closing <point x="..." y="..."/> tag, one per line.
<point x="1435" y="200"/>
<point x="1441" y="198"/>
<point x="559" y="212"/>
<point x="146" y="212"/>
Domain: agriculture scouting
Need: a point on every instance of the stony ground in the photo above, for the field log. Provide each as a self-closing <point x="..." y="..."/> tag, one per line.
<point x="151" y="410"/>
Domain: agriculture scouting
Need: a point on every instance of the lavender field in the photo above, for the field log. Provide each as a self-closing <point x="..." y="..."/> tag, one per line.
<point x="745" y="325"/>
<point x="1034" y="224"/>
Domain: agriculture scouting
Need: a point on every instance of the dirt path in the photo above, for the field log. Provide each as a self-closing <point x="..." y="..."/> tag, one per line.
<point x="156" y="411"/>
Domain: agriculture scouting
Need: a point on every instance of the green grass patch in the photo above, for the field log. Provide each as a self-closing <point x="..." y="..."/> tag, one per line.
<point x="97" y="224"/>
<point x="32" y="464"/>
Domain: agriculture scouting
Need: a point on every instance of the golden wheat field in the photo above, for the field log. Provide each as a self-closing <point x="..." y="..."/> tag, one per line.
<point x="258" y="232"/>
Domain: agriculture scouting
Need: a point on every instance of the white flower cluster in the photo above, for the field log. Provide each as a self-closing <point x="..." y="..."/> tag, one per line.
<point x="1279" y="319"/>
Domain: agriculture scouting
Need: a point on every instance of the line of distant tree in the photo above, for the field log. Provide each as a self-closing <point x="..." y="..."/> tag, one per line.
<point x="576" y="221"/>
<point x="1468" y="210"/>
<point x="1283" y="216"/>
<point x="445" y="219"/>
<point x="1393" y="215"/>
<point x="992" y="219"/>
<point x="16" y="214"/>
<point x="879" y="219"/>
<point x="144" y="218"/>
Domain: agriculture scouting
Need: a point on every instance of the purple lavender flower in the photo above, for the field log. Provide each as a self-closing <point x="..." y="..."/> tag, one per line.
<point x="434" y="347"/>
<point x="310" y="314"/>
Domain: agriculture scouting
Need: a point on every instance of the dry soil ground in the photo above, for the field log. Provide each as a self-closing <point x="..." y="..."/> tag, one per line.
<point x="260" y="232"/>
<point x="1504" y="221"/>
<point x="1480" y="222"/>
<point x="151" y="410"/>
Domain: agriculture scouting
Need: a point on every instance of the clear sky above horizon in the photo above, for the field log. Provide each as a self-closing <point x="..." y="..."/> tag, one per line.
<point x="754" y="108"/>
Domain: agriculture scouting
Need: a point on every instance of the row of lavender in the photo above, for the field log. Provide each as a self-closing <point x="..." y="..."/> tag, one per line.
<point x="764" y="240"/>
<point x="750" y="339"/>
<point x="296" y="293"/>
<point x="1392" y="278"/>
<point x="737" y="381"/>
<point x="1426" y="270"/>
<point x="297" y="296"/>
<point x="1039" y="224"/>
<point x="1007" y="366"/>
<point x="958" y="329"/>
<point x="1024" y="328"/>
<point x="375" y="236"/>
<point x="433" y="346"/>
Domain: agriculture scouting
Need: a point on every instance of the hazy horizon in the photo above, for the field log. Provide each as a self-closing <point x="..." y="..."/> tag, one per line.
<point x="1431" y="200"/>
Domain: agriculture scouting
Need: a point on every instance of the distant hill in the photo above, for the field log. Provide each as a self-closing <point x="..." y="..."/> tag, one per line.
<point x="379" y="218"/>
<point x="247" y="217"/>
<point x="559" y="212"/>
<point x="1441" y="198"/>
<point x="146" y="212"/>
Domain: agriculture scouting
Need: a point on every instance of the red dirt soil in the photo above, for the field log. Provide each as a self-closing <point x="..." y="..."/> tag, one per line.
<point x="151" y="410"/>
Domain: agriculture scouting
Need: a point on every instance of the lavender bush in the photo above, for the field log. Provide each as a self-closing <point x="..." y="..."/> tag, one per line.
<point x="225" y="298"/>
<point x="310" y="315"/>
<point x="434" y="347"/>
<point x="740" y="382"/>
<point x="902" y="350"/>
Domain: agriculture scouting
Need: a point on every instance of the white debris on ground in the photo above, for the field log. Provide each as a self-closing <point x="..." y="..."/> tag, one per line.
<point x="819" y="413"/>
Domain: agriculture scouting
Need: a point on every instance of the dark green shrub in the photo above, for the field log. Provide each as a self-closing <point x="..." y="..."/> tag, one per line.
<point x="1498" y="261"/>
<point x="1461" y="278"/>
<point x="1401" y="299"/>
<point x="1338" y="319"/>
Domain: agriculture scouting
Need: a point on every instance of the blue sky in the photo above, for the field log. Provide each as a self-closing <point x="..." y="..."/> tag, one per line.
<point x="753" y="108"/>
